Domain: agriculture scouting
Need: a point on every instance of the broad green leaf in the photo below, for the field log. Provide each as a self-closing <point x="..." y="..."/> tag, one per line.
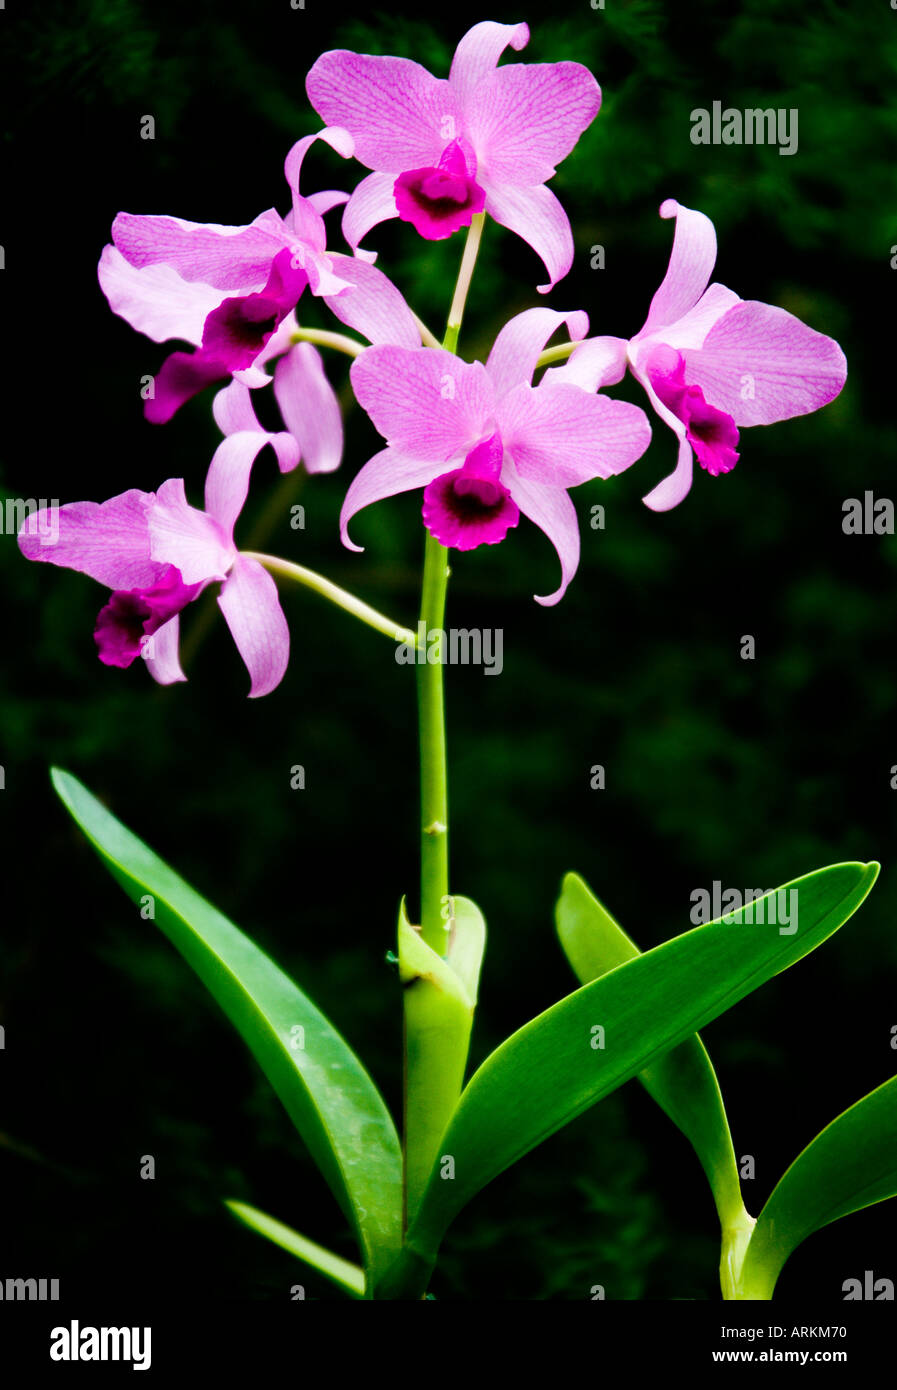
<point x="683" y="1082"/>
<point x="439" y="996"/>
<point x="550" y="1071"/>
<point x="341" y="1272"/>
<point x="852" y="1164"/>
<point x="327" y="1093"/>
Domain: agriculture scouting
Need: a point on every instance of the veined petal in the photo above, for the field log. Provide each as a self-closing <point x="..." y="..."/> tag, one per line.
<point x="536" y="215"/>
<point x="760" y="364"/>
<point x="251" y="608"/>
<point x="426" y="402"/>
<point x="691" y="330"/>
<point x="227" y="481"/>
<point x="183" y="536"/>
<point x="372" y="202"/>
<point x="328" y="198"/>
<point x="595" y="363"/>
<point x="553" y="512"/>
<point x="393" y="107"/>
<point x="563" y="436"/>
<point x="385" y="475"/>
<point x="374" y="307"/>
<point x="161" y="653"/>
<point x="479" y="51"/>
<point x="155" y="300"/>
<point x="109" y="541"/>
<point x="516" y="350"/>
<point x="691" y="264"/>
<point x="525" y="118"/>
<point x="310" y="408"/>
<point x="230" y="258"/>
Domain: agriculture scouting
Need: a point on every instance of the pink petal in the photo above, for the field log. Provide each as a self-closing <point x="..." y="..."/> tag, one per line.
<point x="329" y="198"/>
<point x="553" y="512"/>
<point x="181" y="377"/>
<point x="109" y="541"/>
<point x="479" y="51"/>
<point x="518" y="346"/>
<point x="691" y="265"/>
<point x="671" y="490"/>
<point x="427" y="403"/>
<point x="535" y="215"/>
<point x="155" y="300"/>
<point x="525" y="118"/>
<point x="252" y="611"/>
<point x="561" y="436"/>
<point x="691" y="330"/>
<point x="310" y="408"/>
<point x="372" y="202"/>
<point x="374" y="307"/>
<point x="595" y="363"/>
<point x="230" y="258"/>
<point x="385" y="475"/>
<point x="393" y="107"/>
<point x="227" y="481"/>
<point x="161" y="654"/>
<point x="306" y="215"/>
<point x="183" y="536"/>
<point x="760" y="364"/>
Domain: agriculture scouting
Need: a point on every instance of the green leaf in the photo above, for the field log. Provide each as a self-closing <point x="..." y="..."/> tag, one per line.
<point x="341" y="1272"/>
<point x="852" y="1164"/>
<point x="548" y="1072"/>
<point x="327" y="1093"/>
<point x="683" y="1082"/>
<point x="439" y="997"/>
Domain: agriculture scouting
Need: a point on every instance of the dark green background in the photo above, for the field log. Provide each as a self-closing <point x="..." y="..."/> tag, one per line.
<point x="747" y="772"/>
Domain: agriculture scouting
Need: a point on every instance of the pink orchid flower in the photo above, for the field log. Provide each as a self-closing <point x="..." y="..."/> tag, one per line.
<point x="488" y="138"/>
<point x="710" y="362"/>
<point x="166" y="277"/>
<point x="484" y="444"/>
<point x="157" y="554"/>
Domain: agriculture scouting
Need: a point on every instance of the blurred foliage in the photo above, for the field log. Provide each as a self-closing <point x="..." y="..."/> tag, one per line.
<point x="747" y="772"/>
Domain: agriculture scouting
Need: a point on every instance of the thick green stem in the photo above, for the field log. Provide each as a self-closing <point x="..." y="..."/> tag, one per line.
<point x="433" y="777"/>
<point x="341" y="597"/>
<point x="434" y="1060"/>
<point x="736" y="1239"/>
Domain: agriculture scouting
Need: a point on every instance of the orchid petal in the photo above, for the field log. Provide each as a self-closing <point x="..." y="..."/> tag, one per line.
<point x="155" y="300"/>
<point x="535" y="215"/>
<point x="671" y="490"/>
<point x="691" y="330"/>
<point x="525" y="118"/>
<point x="161" y="653"/>
<point x="478" y="53"/>
<point x="306" y="216"/>
<point x="227" y="481"/>
<point x="230" y="258"/>
<point x="183" y="536"/>
<point x="595" y="363"/>
<point x="395" y="109"/>
<point x="691" y="264"/>
<point x="109" y="541"/>
<point x="372" y="202"/>
<point x="310" y="409"/>
<point x="518" y="346"/>
<point x="565" y="436"/>
<point x="760" y="364"/>
<point x="374" y="307"/>
<point x="251" y="608"/>
<point x="385" y="475"/>
<point x="551" y="509"/>
<point x="427" y="403"/>
<point x="327" y="199"/>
